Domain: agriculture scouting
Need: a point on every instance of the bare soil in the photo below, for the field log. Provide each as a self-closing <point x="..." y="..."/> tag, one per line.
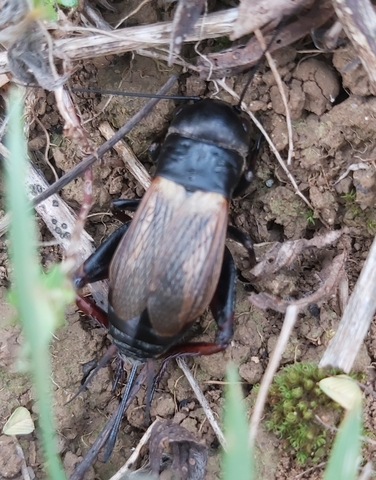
<point x="334" y="125"/>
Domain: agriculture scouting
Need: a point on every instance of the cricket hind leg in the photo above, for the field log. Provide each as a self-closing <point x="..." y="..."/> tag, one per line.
<point x="223" y="309"/>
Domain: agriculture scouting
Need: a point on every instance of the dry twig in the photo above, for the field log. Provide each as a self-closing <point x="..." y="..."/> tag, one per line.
<point x="281" y="88"/>
<point x="203" y="402"/>
<point x="358" y="18"/>
<point x="237" y="59"/>
<point x="214" y="25"/>
<point x="60" y="220"/>
<point x="283" y="255"/>
<point x="132" y="163"/>
<point x="256" y="14"/>
<point x="288" y="325"/>
<point x="354" y="325"/>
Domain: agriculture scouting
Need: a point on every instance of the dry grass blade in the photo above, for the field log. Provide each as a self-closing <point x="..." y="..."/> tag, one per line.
<point x="203" y="402"/>
<point x="223" y="84"/>
<point x="354" y="325"/>
<point x="281" y="88"/>
<point x="128" y="39"/>
<point x="288" y="325"/>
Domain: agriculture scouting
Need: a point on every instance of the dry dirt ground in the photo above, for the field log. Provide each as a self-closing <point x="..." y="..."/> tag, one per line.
<point x="334" y="125"/>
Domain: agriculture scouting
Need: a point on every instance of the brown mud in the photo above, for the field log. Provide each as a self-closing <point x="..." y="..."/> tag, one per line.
<point x="334" y="128"/>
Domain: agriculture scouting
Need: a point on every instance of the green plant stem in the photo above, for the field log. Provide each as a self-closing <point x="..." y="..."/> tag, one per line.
<point x="27" y="286"/>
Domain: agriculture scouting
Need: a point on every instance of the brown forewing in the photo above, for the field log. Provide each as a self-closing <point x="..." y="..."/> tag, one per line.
<point x="170" y="259"/>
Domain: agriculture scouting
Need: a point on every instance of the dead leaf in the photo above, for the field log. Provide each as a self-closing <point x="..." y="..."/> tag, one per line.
<point x="29" y="61"/>
<point x="331" y="276"/>
<point x="189" y="457"/>
<point x="186" y="15"/>
<point x="283" y="255"/>
<point x="255" y="14"/>
<point x="19" y="423"/>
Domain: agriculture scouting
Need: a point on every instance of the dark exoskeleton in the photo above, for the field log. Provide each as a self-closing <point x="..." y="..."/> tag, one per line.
<point x="170" y="262"/>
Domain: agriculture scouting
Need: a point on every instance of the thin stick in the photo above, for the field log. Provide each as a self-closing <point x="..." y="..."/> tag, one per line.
<point x="132" y="163"/>
<point x="223" y="84"/>
<point x="301" y="475"/>
<point x="136" y="453"/>
<point x="273" y="68"/>
<point x="288" y="325"/>
<point x="60" y="220"/>
<point x="203" y="402"/>
<point x="347" y="341"/>
<point x="20" y="453"/>
<point x="73" y="252"/>
<point x="47" y="149"/>
<point x="334" y="429"/>
<point x="155" y="53"/>
<point x="366" y="472"/>
<point x="91" y="159"/>
<point x="133" y="12"/>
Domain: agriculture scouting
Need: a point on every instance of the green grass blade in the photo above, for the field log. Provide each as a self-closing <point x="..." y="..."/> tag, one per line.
<point x="238" y="458"/>
<point x="29" y="291"/>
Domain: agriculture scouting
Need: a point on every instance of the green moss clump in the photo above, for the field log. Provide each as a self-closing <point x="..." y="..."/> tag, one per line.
<point x="295" y="398"/>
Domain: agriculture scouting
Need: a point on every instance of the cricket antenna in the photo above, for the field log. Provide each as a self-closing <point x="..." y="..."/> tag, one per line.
<point x="134" y="94"/>
<point x="249" y="80"/>
<point x="127" y="94"/>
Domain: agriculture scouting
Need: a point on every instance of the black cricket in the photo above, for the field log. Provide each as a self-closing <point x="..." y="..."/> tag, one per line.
<point x="170" y="262"/>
